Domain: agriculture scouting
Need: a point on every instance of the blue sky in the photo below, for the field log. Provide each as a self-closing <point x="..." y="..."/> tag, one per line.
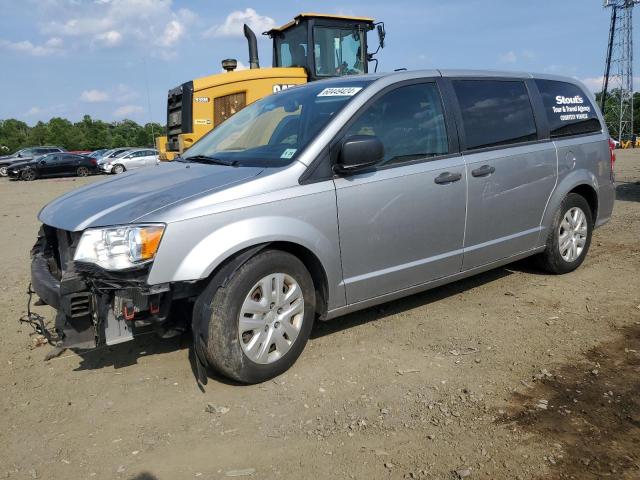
<point x="115" y="59"/>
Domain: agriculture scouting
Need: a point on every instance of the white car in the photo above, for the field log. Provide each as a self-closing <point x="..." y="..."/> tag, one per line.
<point x="131" y="159"/>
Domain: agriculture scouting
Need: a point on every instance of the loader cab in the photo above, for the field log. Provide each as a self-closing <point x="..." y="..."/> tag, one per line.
<point x="338" y="44"/>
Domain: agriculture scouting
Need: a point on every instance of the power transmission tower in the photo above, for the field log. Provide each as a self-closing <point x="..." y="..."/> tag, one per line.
<point x="618" y="72"/>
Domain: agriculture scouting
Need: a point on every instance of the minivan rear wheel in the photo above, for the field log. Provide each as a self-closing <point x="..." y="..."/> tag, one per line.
<point x="261" y="318"/>
<point x="569" y="240"/>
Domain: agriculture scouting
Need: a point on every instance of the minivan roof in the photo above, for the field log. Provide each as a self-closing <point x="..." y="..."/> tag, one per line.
<point x="392" y="77"/>
<point x="411" y="74"/>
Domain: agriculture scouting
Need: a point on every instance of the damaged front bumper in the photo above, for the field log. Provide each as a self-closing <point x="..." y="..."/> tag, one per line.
<point x="94" y="307"/>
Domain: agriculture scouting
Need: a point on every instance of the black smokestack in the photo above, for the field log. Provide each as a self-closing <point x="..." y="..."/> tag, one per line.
<point x="253" y="47"/>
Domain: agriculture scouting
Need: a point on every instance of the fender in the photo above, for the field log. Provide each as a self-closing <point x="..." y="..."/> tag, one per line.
<point x="572" y="180"/>
<point x="223" y="243"/>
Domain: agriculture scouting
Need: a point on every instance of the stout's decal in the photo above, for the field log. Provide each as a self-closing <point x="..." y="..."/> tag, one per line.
<point x="571" y="108"/>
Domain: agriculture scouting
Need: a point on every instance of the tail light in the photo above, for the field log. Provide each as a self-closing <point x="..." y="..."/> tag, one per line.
<point x="94" y="161"/>
<point x="612" y="153"/>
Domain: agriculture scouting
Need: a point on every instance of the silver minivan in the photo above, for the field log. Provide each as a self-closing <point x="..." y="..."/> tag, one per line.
<point x="325" y="199"/>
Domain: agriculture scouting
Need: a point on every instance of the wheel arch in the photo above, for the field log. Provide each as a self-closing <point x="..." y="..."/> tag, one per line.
<point x="582" y="182"/>
<point x="590" y="195"/>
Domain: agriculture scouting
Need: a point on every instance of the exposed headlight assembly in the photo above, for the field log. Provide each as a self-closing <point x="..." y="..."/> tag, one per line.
<point x="119" y="248"/>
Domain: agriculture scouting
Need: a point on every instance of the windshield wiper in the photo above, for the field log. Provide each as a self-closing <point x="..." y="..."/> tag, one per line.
<point x="208" y="159"/>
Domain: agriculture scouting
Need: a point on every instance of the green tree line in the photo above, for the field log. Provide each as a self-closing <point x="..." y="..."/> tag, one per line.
<point x="87" y="134"/>
<point x="612" y="106"/>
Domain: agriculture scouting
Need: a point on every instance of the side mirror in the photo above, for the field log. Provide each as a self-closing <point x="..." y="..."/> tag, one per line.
<point x="43" y="162"/>
<point x="381" y="35"/>
<point x="19" y="155"/>
<point x="358" y="152"/>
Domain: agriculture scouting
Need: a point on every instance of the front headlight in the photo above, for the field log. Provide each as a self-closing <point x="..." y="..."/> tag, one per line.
<point x="119" y="248"/>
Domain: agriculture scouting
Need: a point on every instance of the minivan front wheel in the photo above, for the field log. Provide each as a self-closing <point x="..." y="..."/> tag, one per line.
<point x="570" y="238"/>
<point x="261" y="319"/>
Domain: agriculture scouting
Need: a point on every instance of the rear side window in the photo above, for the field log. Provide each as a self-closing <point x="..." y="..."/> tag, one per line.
<point x="568" y="109"/>
<point x="409" y="121"/>
<point x="495" y="112"/>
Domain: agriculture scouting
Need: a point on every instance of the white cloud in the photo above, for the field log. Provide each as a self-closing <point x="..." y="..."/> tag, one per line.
<point x="124" y="93"/>
<point x="127" y="110"/>
<point x="595" y="83"/>
<point x="94" y="96"/>
<point x="149" y="24"/>
<point x="509" y="57"/>
<point x="112" y="38"/>
<point x="173" y="31"/>
<point x="52" y="46"/>
<point x="232" y="27"/>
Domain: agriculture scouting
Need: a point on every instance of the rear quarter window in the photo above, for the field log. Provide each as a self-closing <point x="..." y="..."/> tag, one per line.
<point x="569" y="111"/>
<point x="495" y="112"/>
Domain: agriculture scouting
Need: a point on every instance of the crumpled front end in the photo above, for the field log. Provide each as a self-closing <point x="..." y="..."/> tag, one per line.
<point x="94" y="306"/>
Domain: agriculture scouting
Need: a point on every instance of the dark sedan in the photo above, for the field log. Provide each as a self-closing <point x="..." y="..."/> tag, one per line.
<point x="54" y="164"/>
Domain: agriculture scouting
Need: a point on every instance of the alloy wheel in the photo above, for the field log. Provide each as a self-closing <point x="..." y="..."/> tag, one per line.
<point x="270" y="318"/>
<point x="572" y="234"/>
<point x="28" y="175"/>
<point x="83" y="171"/>
<point x="3" y="172"/>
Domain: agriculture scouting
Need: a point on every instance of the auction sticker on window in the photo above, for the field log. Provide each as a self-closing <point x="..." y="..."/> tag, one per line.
<point x="339" y="91"/>
<point x="288" y="153"/>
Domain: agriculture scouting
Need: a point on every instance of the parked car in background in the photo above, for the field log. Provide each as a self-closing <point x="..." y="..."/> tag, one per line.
<point x="131" y="159"/>
<point x="111" y="153"/>
<point x="25" y="154"/>
<point x="97" y="153"/>
<point x="54" y="164"/>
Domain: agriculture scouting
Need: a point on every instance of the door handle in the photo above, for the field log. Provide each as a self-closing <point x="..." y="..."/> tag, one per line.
<point x="447" y="177"/>
<point x="483" y="171"/>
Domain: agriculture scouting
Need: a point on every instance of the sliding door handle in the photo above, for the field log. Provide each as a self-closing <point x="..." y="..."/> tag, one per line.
<point x="447" y="177"/>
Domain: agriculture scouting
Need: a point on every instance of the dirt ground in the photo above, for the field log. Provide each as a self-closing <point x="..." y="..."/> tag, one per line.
<point x="513" y="374"/>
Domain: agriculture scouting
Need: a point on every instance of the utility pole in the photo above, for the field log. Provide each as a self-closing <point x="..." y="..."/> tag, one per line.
<point x="618" y="72"/>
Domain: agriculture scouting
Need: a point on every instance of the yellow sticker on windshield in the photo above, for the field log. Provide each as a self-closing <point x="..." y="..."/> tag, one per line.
<point x="288" y="153"/>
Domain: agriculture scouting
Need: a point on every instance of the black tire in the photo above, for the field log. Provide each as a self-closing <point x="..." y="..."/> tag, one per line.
<point x="118" y="168"/>
<point x="28" y="174"/>
<point x="551" y="259"/>
<point x="82" y="171"/>
<point x="222" y="348"/>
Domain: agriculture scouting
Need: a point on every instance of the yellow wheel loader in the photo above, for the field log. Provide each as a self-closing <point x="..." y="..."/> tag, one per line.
<point x="338" y="47"/>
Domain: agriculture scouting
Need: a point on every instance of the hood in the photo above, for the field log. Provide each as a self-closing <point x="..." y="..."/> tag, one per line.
<point x="11" y="159"/>
<point x="22" y="162"/>
<point x="128" y="197"/>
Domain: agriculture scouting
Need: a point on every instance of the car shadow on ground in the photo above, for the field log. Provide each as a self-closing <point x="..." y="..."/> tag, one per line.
<point x="419" y="299"/>
<point x="587" y="412"/>
<point x="628" y="191"/>
<point x="127" y="354"/>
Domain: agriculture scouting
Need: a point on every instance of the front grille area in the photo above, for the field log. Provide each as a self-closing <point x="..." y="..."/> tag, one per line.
<point x="60" y="247"/>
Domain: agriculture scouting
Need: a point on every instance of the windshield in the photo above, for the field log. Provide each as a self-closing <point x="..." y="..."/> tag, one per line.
<point x="273" y="131"/>
<point x="338" y="51"/>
